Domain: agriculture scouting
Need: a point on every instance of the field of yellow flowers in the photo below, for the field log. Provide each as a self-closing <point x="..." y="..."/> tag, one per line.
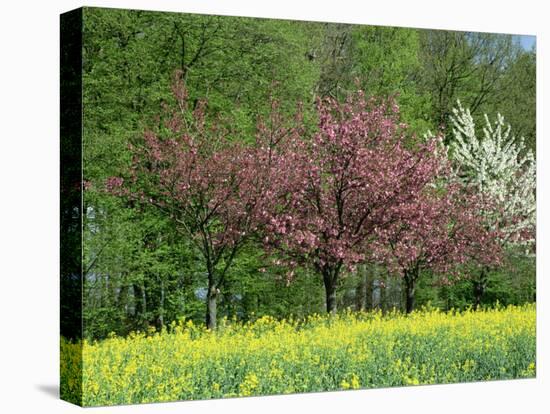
<point x="320" y="353"/>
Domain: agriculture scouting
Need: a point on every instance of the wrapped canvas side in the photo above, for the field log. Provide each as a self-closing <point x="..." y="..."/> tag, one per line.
<point x="71" y="206"/>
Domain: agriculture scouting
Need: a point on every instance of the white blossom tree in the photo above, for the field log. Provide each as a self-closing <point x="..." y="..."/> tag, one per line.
<point x="504" y="173"/>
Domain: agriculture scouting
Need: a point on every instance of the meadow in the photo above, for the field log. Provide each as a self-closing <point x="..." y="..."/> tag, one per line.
<point x="350" y="350"/>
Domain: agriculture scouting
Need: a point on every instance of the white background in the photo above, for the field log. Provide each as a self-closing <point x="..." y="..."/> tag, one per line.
<point x="29" y="242"/>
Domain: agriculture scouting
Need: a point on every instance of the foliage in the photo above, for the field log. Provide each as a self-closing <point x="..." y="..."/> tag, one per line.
<point x="354" y="178"/>
<point x="140" y="271"/>
<point x="205" y="183"/>
<point x="319" y="353"/>
<point x="516" y="97"/>
<point x="439" y="230"/>
<point x="496" y="166"/>
<point x="465" y="65"/>
<point x="385" y="63"/>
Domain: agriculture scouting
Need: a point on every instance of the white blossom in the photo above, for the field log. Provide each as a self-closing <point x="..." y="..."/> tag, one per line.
<point x="500" y="168"/>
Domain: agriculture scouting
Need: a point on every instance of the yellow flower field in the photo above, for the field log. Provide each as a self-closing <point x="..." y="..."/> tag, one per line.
<point x="268" y="356"/>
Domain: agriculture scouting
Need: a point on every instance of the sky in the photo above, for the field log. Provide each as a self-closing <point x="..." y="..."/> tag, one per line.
<point x="526" y="41"/>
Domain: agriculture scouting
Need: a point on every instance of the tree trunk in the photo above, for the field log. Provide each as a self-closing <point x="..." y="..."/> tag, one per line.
<point x="122" y="300"/>
<point x="211" y="304"/>
<point x="330" y="298"/>
<point x="151" y="291"/>
<point x="360" y="290"/>
<point x="410" y="282"/>
<point x="161" y="307"/>
<point x="139" y="302"/>
<point x="382" y="291"/>
<point x="479" y="288"/>
<point x="329" y="279"/>
<point x="369" y="279"/>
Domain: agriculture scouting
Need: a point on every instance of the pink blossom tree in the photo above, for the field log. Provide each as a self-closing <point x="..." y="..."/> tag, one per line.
<point x="334" y="192"/>
<point x="439" y="230"/>
<point x="209" y="185"/>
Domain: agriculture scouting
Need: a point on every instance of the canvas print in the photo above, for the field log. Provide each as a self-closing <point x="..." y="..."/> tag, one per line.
<point x="261" y="206"/>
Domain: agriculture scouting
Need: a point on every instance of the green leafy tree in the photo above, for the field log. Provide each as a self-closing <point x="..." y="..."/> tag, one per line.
<point x="462" y="65"/>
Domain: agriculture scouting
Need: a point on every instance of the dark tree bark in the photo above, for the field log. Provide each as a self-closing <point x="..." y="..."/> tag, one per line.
<point x="361" y="289"/>
<point x="369" y="279"/>
<point x="330" y="292"/>
<point x="330" y="277"/>
<point x="140" y="308"/>
<point x="211" y="305"/>
<point x="216" y="279"/>
<point x="410" y="284"/>
<point x="154" y="300"/>
<point x="122" y="300"/>
<point x="382" y="288"/>
<point x="480" y="286"/>
<point x="365" y="288"/>
<point x="161" y="305"/>
<point x="409" y="299"/>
